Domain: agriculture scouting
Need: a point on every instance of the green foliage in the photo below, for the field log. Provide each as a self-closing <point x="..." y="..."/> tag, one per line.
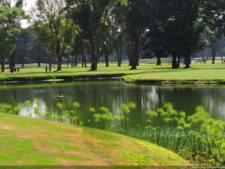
<point x="192" y="136"/>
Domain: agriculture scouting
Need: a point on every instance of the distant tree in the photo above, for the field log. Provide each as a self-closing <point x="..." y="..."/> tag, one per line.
<point x="12" y="4"/>
<point x="183" y="30"/>
<point x="153" y="39"/>
<point x="24" y="44"/>
<point x="214" y="17"/>
<point x="135" y="27"/>
<point x="153" y="45"/>
<point x="89" y="15"/>
<point x="174" y="29"/>
<point x="119" y="15"/>
<point x="9" y="28"/>
<point x="54" y="26"/>
<point x="78" y="49"/>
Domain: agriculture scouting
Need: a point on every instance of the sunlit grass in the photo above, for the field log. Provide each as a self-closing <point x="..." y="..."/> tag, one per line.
<point x="145" y="72"/>
<point x="31" y="142"/>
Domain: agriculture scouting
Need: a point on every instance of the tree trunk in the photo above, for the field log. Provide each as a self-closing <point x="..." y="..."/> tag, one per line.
<point x="22" y="65"/>
<point x="49" y="62"/>
<point x="59" y="63"/>
<point x="213" y="59"/>
<point x="129" y="53"/>
<point x="134" y="55"/>
<point x="119" y="55"/>
<point x="2" y="66"/>
<point x="213" y="54"/>
<point x="84" y="60"/>
<point x="178" y="62"/>
<point x="188" y="61"/>
<point x="94" y="59"/>
<point x="106" y="56"/>
<point x="174" y="62"/>
<point x="39" y="63"/>
<point x="158" y="61"/>
<point x="75" y="62"/>
<point x="12" y="62"/>
<point x="214" y="45"/>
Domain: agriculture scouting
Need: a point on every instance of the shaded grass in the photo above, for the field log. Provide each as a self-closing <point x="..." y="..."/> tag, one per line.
<point x="31" y="142"/>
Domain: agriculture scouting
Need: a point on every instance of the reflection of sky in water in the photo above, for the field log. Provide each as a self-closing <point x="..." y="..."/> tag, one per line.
<point x="113" y="94"/>
<point x="29" y="110"/>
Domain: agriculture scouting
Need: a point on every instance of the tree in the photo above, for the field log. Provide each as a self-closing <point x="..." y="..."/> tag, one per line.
<point x="9" y="28"/>
<point x="89" y="15"/>
<point x="153" y="45"/>
<point x="184" y="29"/>
<point x="119" y="16"/>
<point x="153" y="39"/>
<point x="175" y="28"/>
<point x="135" y="27"/>
<point x="12" y="4"/>
<point x="54" y="26"/>
<point x="78" y="48"/>
<point x="214" y="18"/>
<point x="24" y="44"/>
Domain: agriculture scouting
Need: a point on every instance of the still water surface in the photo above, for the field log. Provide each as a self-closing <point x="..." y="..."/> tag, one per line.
<point x="112" y="94"/>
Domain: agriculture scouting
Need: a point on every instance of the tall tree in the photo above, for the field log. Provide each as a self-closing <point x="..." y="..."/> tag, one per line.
<point x="135" y="27"/>
<point x="89" y="14"/>
<point x="175" y="29"/>
<point x="54" y="26"/>
<point x="9" y="28"/>
<point x="119" y="16"/>
<point x="214" y="17"/>
<point x="12" y="4"/>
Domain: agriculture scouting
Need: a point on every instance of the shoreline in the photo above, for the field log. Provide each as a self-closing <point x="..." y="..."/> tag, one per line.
<point x="120" y="76"/>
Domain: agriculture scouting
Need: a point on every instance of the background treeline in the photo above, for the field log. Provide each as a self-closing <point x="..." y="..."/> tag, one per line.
<point x="91" y="31"/>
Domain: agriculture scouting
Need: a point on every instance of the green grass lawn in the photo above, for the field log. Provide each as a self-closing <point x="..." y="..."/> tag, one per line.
<point x="145" y="72"/>
<point x="198" y="72"/>
<point x="32" y="142"/>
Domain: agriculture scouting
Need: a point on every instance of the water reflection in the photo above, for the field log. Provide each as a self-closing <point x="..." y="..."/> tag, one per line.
<point x="112" y="94"/>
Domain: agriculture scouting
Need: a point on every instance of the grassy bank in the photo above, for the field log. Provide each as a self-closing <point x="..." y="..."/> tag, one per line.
<point x="149" y="73"/>
<point x="199" y="73"/>
<point x="31" y="142"/>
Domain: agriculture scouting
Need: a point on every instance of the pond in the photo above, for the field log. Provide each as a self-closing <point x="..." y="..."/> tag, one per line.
<point x="112" y="94"/>
<point x="128" y="109"/>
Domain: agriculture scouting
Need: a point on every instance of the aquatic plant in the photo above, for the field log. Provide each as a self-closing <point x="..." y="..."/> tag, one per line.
<point x="198" y="137"/>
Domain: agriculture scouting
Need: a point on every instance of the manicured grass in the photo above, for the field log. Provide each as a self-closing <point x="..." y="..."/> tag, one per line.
<point x="66" y="73"/>
<point x="31" y="142"/>
<point x="199" y="72"/>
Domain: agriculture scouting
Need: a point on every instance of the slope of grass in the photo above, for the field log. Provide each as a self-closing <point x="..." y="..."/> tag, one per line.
<point x="31" y="142"/>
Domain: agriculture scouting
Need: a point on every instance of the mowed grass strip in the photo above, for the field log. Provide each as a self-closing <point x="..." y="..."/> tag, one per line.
<point x="32" y="142"/>
<point x="146" y="72"/>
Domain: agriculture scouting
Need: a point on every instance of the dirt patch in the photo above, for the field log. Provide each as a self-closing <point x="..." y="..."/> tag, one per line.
<point x="45" y="149"/>
<point x="67" y="162"/>
<point x="6" y="127"/>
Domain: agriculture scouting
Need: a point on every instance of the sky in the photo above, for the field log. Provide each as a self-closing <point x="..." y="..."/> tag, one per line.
<point x="29" y="4"/>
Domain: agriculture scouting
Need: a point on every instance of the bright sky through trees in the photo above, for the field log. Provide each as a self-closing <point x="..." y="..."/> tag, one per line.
<point x="27" y="7"/>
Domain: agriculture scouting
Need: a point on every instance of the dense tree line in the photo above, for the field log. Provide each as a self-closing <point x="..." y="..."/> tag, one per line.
<point x="89" y="30"/>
